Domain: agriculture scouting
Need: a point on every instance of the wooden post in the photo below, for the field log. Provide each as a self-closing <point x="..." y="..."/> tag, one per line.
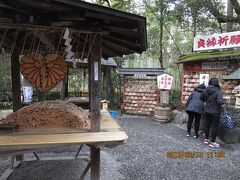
<point x="95" y="81"/>
<point x="104" y="96"/>
<point x="66" y="83"/>
<point x="106" y="81"/>
<point x="16" y="86"/>
<point x="123" y="94"/>
<point x="95" y="158"/>
<point x="64" y="87"/>
<point x="94" y="64"/>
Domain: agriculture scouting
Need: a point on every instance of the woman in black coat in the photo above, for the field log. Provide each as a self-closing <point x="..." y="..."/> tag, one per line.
<point x="195" y="109"/>
<point x="213" y="107"/>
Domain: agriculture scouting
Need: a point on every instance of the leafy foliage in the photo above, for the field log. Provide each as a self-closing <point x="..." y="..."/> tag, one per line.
<point x="182" y="19"/>
<point x="5" y="79"/>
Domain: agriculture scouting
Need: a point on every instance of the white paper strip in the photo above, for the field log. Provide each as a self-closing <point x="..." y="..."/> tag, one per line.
<point x="95" y="71"/>
<point x="66" y="34"/>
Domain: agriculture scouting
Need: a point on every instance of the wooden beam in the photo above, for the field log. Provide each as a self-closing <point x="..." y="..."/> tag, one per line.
<point x="118" y="48"/>
<point x="80" y="16"/>
<point x="62" y="23"/>
<point x="133" y="32"/>
<point x="120" y="41"/>
<point x="94" y="64"/>
<point x="13" y="8"/>
<point x="107" y="83"/>
<point x="106" y="53"/>
<point x="16" y="86"/>
<point x="143" y="33"/>
<point x="100" y="9"/>
<point x="45" y="28"/>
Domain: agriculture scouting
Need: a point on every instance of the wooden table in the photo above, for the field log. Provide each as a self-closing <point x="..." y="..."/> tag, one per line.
<point x="28" y="140"/>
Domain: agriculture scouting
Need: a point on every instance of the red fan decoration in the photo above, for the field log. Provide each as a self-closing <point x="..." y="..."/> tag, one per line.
<point x="43" y="72"/>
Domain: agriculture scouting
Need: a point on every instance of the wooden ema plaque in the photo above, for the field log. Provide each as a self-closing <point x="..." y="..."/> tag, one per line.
<point x="43" y="72"/>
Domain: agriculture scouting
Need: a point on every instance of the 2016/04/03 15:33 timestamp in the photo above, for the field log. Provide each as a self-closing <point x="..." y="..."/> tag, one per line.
<point x="181" y="154"/>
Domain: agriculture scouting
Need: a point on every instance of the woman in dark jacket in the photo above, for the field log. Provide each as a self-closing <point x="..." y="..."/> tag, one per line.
<point x="195" y="109"/>
<point x="214" y="104"/>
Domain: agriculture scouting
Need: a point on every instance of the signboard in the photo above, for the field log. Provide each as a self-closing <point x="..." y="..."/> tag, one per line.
<point x="217" y="41"/>
<point x="215" y="65"/>
<point x="206" y="66"/>
<point x="140" y="76"/>
<point x="27" y="94"/>
<point x="204" y="78"/>
<point x="164" y="81"/>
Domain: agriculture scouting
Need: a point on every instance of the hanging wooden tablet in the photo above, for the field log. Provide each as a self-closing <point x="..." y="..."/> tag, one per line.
<point x="43" y="72"/>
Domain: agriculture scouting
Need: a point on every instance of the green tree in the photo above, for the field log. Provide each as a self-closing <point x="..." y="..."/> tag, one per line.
<point x="5" y="78"/>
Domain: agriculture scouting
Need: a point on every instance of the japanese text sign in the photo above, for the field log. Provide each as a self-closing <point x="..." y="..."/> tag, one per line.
<point x="164" y="81"/>
<point x="217" y="41"/>
<point x="203" y="79"/>
<point x="215" y="65"/>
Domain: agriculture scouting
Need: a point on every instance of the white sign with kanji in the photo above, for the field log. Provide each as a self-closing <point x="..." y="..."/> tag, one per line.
<point x="203" y="79"/>
<point x="217" y="41"/>
<point x="164" y="81"/>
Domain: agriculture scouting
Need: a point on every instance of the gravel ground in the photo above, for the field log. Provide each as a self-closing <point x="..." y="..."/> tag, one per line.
<point x="142" y="157"/>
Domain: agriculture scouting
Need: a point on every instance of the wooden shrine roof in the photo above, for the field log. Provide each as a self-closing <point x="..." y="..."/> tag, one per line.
<point x="233" y="76"/>
<point x="146" y="71"/>
<point x="39" y="25"/>
<point x="210" y="56"/>
<point x="110" y="62"/>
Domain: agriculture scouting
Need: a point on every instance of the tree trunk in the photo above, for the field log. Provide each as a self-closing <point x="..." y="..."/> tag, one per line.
<point x="194" y="23"/>
<point x="161" y="36"/>
<point x="230" y="15"/>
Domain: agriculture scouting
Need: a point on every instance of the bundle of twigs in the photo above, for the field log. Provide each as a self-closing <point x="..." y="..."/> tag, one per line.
<point x="50" y="114"/>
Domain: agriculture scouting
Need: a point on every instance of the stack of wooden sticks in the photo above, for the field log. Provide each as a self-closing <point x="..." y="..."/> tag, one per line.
<point x="50" y="114"/>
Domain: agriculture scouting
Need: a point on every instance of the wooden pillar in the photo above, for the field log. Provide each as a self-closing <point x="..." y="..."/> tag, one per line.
<point x="95" y="158"/>
<point x="95" y="81"/>
<point x="104" y="96"/>
<point x="106" y="83"/>
<point x="64" y="87"/>
<point x="108" y="79"/>
<point x="66" y="83"/>
<point x="94" y="64"/>
<point x="123" y="94"/>
<point x="16" y="84"/>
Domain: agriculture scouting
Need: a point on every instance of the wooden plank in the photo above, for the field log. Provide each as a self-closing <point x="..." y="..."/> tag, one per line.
<point x="8" y="143"/>
<point x="15" y="144"/>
